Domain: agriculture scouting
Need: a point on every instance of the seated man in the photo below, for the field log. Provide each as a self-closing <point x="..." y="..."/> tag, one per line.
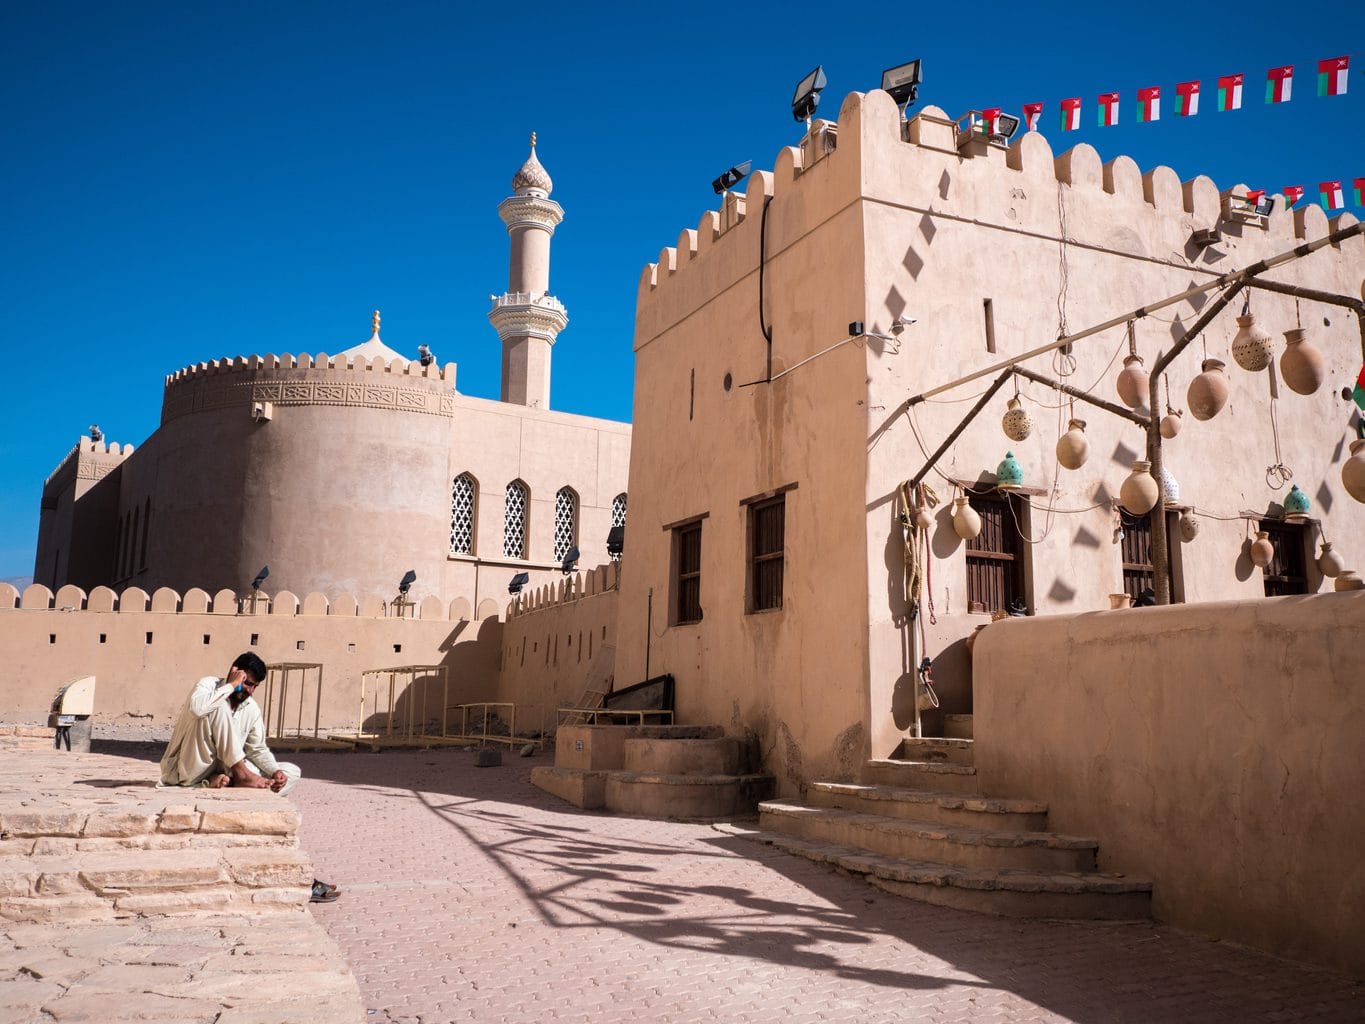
<point x="219" y="739"/>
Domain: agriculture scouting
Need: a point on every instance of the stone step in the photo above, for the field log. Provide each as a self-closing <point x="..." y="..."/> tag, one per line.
<point x="923" y="805"/>
<point x="655" y="795"/>
<point x="955" y="845"/>
<point x="1050" y="894"/>
<point x="957" y="727"/>
<point x="582" y="787"/>
<point x="671" y="756"/>
<point x="935" y="750"/>
<point x="937" y="777"/>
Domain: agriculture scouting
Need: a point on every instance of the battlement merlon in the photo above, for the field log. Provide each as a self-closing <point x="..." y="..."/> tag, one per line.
<point x="87" y="458"/>
<point x="321" y="361"/>
<point x="927" y="165"/>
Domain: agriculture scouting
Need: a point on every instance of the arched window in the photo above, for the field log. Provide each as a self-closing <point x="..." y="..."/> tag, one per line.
<point x="514" y="520"/>
<point x="618" y="510"/>
<point x="463" y="502"/>
<point x="566" y="522"/>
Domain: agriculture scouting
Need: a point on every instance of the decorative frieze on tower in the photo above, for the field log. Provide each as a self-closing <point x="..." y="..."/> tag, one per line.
<point x="527" y="317"/>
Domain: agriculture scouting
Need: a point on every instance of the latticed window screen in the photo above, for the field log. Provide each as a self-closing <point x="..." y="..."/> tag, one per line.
<point x="995" y="565"/>
<point x="687" y="585"/>
<point x="766" y="545"/>
<point x="1287" y="572"/>
<point x="1136" y="552"/>
<point x="618" y="510"/>
<point x="514" y="521"/>
<point x="462" y="497"/>
<point x="566" y="521"/>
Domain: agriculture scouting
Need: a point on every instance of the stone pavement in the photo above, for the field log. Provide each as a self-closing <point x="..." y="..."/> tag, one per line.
<point x="470" y="895"/>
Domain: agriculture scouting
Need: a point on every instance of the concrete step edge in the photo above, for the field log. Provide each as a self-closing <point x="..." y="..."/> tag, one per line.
<point x="931" y="767"/>
<point x="660" y="779"/>
<point x="929" y="873"/>
<point x="948" y="801"/>
<point x="962" y="834"/>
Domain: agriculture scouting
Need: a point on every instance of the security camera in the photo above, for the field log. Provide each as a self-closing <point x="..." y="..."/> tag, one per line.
<point x="901" y="323"/>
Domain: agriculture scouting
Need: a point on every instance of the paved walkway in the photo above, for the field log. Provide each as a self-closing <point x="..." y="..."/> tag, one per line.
<point x="472" y="896"/>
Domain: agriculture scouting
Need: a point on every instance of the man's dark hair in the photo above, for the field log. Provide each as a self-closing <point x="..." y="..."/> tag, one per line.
<point x="251" y="664"/>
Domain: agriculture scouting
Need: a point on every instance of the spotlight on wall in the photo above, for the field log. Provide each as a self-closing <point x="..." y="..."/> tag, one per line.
<point x="732" y="177"/>
<point x="518" y="581"/>
<point x="903" y="82"/>
<point x="992" y="124"/>
<point x="807" y="96"/>
<point x="570" y="561"/>
<point x="260" y="577"/>
<point x="425" y="355"/>
<point x="616" y="541"/>
<point x="409" y="578"/>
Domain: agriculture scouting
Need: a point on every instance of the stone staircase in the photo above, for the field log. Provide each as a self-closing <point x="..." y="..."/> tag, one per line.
<point x="916" y="826"/>
<point x="654" y="771"/>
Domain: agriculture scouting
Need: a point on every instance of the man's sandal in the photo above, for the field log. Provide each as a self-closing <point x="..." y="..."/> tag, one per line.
<point x="323" y="893"/>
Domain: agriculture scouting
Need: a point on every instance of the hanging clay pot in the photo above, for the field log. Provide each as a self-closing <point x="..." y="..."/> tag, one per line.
<point x="1016" y="423"/>
<point x="1139" y="491"/>
<point x="1349" y="579"/>
<point x="1009" y="473"/>
<point x="1170" y="489"/>
<point x="1252" y="346"/>
<point x="966" y="520"/>
<point x="1208" y="391"/>
<point x="1133" y="383"/>
<point x="1262" y="551"/>
<point x="1189" y="527"/>
<point x="1353" y="471"/>
<point x="1170" y="424"/>
<point x="1329" y="562"/>
<point x="1296" y="503"/>
<point x="924" y="519"/>
<point x="1073" y="447"/>
<point x="1301" y="365"/>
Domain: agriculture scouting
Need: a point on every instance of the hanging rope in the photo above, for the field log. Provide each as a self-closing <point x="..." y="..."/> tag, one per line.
<point x="1279" y="474"/>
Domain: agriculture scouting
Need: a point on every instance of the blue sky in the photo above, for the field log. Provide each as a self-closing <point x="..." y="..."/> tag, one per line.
<point x="186" y="181"/>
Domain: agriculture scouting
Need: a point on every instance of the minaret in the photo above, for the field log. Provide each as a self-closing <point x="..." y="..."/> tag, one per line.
<point x="528" y="318"/>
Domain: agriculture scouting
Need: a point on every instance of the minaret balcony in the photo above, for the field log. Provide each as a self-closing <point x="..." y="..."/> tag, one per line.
<point x="523" y="314"/>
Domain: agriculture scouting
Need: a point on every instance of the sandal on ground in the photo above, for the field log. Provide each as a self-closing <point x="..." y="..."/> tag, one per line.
<point x="323" y="893"/>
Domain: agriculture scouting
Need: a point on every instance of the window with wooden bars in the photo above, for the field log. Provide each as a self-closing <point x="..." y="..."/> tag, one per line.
<point x="1287" y="572"/>
<point x="995" y="556"/>
<point x="767" y="540"/>
<point x="1135" y="553"/>
<point x="687" y="581"/>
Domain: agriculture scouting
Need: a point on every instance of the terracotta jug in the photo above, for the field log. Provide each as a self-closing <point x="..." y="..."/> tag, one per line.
<point x="1139" y="491"/>
<point x="1016" y="423"/>
<point x="1170" y="424"/>
<point x="1329" y="562"/>
<point x="1208" y="391"/>
<point x="1133" y="383"/>
<point x="1252" y="346"/>
<point x="1073" y="447"/>
<point x="1301" y="365"/>
<point x="966" y="520"/>
<point x="1353" y="471"/>
<point x="1262" y="551"/>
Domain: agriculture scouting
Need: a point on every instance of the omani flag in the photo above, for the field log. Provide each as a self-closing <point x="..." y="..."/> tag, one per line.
<point x="1292" y="194"/>
<point x="1358" y="392"/>
<point x="1187" y="99"/>
<point x="1329" y="194"/>
<point x="1230" y="92"/>
<point x="1332" y="76"/>
<point x="1109" y="109"/>
<point x="1032" y="112"/>
<point x="1278" y="82"/>
<point x="1359" y="189"/>
<point x="990" y="120"/>
<point x="1071" y="114"/>
<point x="1149" y="104"/>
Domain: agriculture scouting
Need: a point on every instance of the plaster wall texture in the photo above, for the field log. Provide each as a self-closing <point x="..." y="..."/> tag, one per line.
<point x="560" y="644"/>
<point x="344" y="488"/>
<point x="1215" y="748"/>
<point x="883" y="227"/>
<point x="795" y="677"/>
<point x="147" y="651"/>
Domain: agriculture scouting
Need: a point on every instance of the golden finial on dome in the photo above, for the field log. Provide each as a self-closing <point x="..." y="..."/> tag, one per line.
<point x="375" y="322"/>
<point x="533" y="140"/>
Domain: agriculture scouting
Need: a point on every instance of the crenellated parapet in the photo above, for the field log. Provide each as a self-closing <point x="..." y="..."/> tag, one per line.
<point x="255" y="382"/>
<point x="70" y="598"/>
<point x="932" y="166"/>
<point x="89" y="460"/>
<point x="602" y="580"/>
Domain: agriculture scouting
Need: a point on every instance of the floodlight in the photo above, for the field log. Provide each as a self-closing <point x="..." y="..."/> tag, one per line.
<point x="1264" y="205"/>
<point x="424" y="355"/>
<point x="902" y="82"/>
<point x="1005" y="126"/>
<point x="518" y="581"/>
<point x="570" y="560"/>
<point x="899" y="325"/>
<point x="807" y="96"/>
<point x="409" y="578"/>
<point x="260" y="577"/>
<point x="732" y="177"/>
<point x="616" y="541"/>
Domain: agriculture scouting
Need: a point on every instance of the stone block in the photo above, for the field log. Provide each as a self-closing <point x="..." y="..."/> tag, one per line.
<point x="82" y="1007"/>
<point x="119" y="824"/>
<point x="282" y="822"/>
<point x="60" y="881"/>
<point x="215" y="900"/>
<point x="55" y="909"/>
<point x="170" y="870"/>
<point x="487" y="758"/>
<point x="178" y="818"/>
<point x="42" y="823"/>
<point x="282" y="899"/>
<point x="16" y="883"/>
<point x="268" y="868"/>
<point x="46" y="846"/>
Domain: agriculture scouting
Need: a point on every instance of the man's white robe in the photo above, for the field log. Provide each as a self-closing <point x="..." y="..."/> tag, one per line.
<point x="210" y="737"/>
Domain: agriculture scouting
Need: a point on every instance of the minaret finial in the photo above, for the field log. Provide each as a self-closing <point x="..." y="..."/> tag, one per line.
<point x="375" y="322"/>
<point x="533" y="140"/>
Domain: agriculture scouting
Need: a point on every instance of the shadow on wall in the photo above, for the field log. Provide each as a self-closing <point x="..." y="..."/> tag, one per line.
<point x="422" y="701"/>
